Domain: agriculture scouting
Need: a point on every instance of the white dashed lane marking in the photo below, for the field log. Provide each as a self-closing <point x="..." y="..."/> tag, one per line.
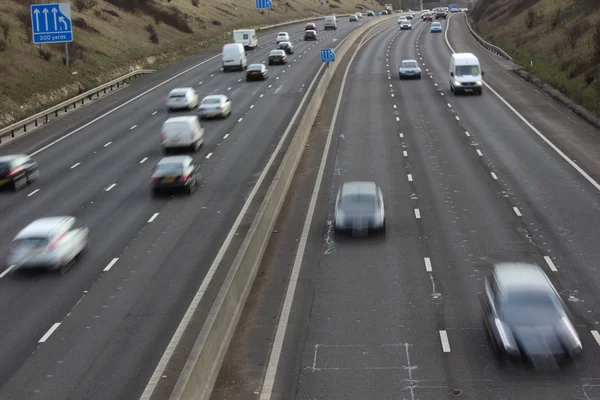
<point x="445" y="341"/>
<point x="143" y="160"/>
<point x="428" y="264"/>
<point x="516" y="210"/>
<point x="75" y="165"/>
<point x="108" y="189"/>
<point x="417" y="213"/>
<point x="153" y="217"/>
<point x="133" y="127"/>
<point x="410" y="178"/>
<point x="209" y="155"/>
<point x="34" y="192"/>
<point x="49" y="333"/>
<point x="111" y="264"/>
<point x="550" y="263"/>
<point x="107" y="144"/>
<point x="479" y="153"/>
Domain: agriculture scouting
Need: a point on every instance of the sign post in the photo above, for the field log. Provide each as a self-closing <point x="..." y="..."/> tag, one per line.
<point x="51" y="23"/>
<point x="265" y="4"/>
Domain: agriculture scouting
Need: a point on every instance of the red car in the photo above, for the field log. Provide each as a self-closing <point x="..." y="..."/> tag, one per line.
<point x="427" y="17"/>
<point x="311" y="26"/>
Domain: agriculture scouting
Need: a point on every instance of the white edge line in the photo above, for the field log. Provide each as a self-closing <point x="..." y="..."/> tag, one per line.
<point x="428" y="264"/>
<point x="445" y="341"/>
<point x="50" y="332"/>
<point x="153" y="217"/>
<point x="269" y="381"/>
<point x="7" y="271"/>
<point x="166" y="357"/>
<point x="533" y="128"/>
<point x="550" y="263"/>
<point x="111" y="264"/>
<point x="596" y="336"/>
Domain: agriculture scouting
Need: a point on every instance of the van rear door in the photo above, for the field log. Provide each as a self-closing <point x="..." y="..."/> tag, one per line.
<point x="179" y="133"/>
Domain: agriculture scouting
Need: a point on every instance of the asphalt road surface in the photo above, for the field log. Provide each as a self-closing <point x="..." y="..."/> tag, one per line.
<point x="466" y="183"/>
<point x="116" y="322"/>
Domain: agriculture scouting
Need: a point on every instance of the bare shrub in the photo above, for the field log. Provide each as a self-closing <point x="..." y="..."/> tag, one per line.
<point x="596" y="43"/>
<point x="531" y="19"/>
<point x="153" y="34"/>
<point x="82" y="24"/>
<point x="84" y="5"/>
<point x="196" y="3"/>
<point x="574" y="33"/>
<point x="3" y="45"/>
<point x="5" y="26"/>
<point x="216" y="22"/>
<point x="111" y="12"/>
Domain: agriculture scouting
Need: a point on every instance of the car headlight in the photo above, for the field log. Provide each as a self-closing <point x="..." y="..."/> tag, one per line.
<point x="457" y="83"/>
<point x="479" y="83"/>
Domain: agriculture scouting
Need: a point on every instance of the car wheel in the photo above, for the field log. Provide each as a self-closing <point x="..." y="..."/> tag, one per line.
<point x="192" y="187"/>
<point x="20" y="183"/>
<point x="33" y="176"/>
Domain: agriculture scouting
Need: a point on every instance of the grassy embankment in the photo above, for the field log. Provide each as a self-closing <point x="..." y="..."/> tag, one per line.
<point x="561" y="37"/>
<point x="113" y="37"/>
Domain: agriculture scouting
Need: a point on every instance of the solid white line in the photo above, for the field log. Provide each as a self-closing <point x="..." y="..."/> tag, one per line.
<point x="550" y="263"/>
<point x="143" y="160"/>
<point x="479" y="152"/>
<point x="405" y="153"/>
<point x="60" y="139"/>
<point x="107" y="144"/>
<point x="111" y="264"/>
<point x="240" y="120"/>
<point x="226" y="135"/>
<point x="153" y="217"/>
<point x="516" y="210"/>
<point x="428" y="264"/>
<point x="494" y="175"/>
<point x="410" y="178"/>
<point x="269" y="381"/>
<point x="534" y="129"/>
<point x="7" y="271"/>
<point x="34" y="192"/>
<point x="417" y="213"/>
<point x="467" y="133"/>
<point x="445" y="341"/>
<point x="50" y="332"/>
<point x="596" y="336"/>
<point x="208" y="155"/>
<point x="133" y="127"/>
<point x="108" y="189"/>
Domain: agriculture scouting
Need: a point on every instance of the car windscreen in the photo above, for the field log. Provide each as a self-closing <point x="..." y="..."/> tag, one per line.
<point x="462" y="70"/>
<point x="530" y="308"/>
<point x="211" y="101"/>
<point x="409" y="64"/>
<point x="358" y="204"/>
<point x="169" y="168"/>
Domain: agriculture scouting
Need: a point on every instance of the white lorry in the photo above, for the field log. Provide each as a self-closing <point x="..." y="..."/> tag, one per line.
<point x="389" y="8"/>
<point x="247" y="37"/>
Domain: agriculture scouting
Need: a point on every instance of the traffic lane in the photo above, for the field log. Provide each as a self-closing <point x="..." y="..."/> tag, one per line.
<point x="56" y="168"/>
<point x="362" y="335"/>
<point x="205" y="61"/>
<point x="572" y="134"/>
<point x="556" y="202"/>
<point x="181" y="274"/>
<point x="469" y="225"/>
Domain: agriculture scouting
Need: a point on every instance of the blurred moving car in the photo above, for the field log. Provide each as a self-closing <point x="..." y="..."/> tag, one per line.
<point x="359" y="15"/>
<point x="256" y="72"/>
<point x="405" y="24"/>
<point x="409" y="69"/>
<point x="182" y="132"/>
<point x="370" y="14"/>
<point x="286" y="46"/>
<point x="277" y="57"/>
<point x="526" y="318"/>
<point x="436" y="27"/>
<point x="182" y="98"/>
<point x="217" y="105"/>
<point x="359" y="207"/>
<point x="410" y="15"/>
<point x="311" y="26"/>
<point x="353" y="18"/>
<point x="175" y="172"/>
<point x="426" y="16"/>
<point x="441" y="15"/>
<point x="310" y="35"/>
<point x="282" y="37"/>
<point x="51" y="243"/>
<point x="17" y="171"/>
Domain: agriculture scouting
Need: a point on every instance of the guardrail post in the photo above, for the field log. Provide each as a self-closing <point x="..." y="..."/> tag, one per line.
<point x="82" y="101"/>
<point x="66" y="109"/>
<point x="24" y="129"/>
<point x="35" y="122"/>
<point x="75" y="105"/>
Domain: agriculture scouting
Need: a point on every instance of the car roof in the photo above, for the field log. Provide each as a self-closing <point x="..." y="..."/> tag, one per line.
<point x="184" y="118"/>
<point x="214" y="96"/>
<point x="282" y="33"/>
<point x="521" y="275"/>
<point x="256" y="65"/>
<point x="179" y="90"/>
<point x="358" y="188"/>
<point x="173" y="160"/>
<point x="276" y="51"/>
<point x="464" y="56"/>
<point x="415" y="61"/>
<point x="41" y="227"/>
<point x="11" y="157"/>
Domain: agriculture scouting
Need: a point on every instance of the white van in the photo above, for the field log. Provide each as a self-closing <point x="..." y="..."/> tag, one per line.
<point x="330" y="22"/>
<point x="181" y="132"/>
<point x="247" y="37"/>
<point x="234" y="57"/>
<point x="465" y="74"/>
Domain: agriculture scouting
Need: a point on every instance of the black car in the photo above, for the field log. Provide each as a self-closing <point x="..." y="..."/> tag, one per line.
<point x="175" y="172"/>
<point x="441" y="15"/>
<point x="310" y="35"/>
<point x="256" y="72"/>
<point x="286" y="46"/>
<point x="17" y="170"/>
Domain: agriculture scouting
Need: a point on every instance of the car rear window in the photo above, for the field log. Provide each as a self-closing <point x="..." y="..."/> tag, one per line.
<point x="177" y="95"/>
<point x="211" y="101"/>
<point x="358" y="203"/>
<point x="170" y="167"/>
<point x="409" y="65"/>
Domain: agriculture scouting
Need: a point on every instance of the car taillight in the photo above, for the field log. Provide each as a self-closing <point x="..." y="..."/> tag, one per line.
<point x="220" y="108"/>
<point x="201" y="109"/>
<point x="154" y="180"/>
<point x="163" y="136"/>
<point x="15" y="171"/>
<point x="54" y="244"/>
<point x="184" y="178"/>
<point x="192" y="134"/>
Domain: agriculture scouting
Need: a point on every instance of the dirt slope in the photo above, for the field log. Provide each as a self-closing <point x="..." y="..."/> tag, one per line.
<point x="112" y="37"/>
<point x="561" y="37"/>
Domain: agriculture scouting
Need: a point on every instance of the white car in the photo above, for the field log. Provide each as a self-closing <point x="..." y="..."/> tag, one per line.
<point x="182" y="98"/>
<point x="283" y="37"/>
<point x="51" y="243"/>
<point x="400" y="19"/>
<point x="359" y="15"/>
<point x="405" y="24"/>
<point x="217" y="105"/>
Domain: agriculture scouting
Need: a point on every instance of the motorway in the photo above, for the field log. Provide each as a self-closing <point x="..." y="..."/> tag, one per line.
<point x="466" y="183"/>
<point x="99" y="330"/>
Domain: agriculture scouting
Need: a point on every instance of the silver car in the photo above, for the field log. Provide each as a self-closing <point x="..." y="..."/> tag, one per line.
<point x="175" y="172"/>
<point x="409" y="69"/>
<point x="526" y="318"/>
<point x="217" y="105"/>
<point x="51" y="243"/>
<point x="359" y="208"/>
<point x="182" y="98"/>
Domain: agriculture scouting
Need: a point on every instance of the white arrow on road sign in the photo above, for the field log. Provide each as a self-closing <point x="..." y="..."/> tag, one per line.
<point x="54" y="11"/>
<point x="37" y="20"/>
<point x="62" y="19"/>
<point x="46" y="17"/>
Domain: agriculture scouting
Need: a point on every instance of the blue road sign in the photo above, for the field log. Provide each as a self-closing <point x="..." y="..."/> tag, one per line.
<point x="327" y="55"/>
<point x="51" y="23"/>
<point x="377" y="14"/>
<point x="264" y="4"/>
